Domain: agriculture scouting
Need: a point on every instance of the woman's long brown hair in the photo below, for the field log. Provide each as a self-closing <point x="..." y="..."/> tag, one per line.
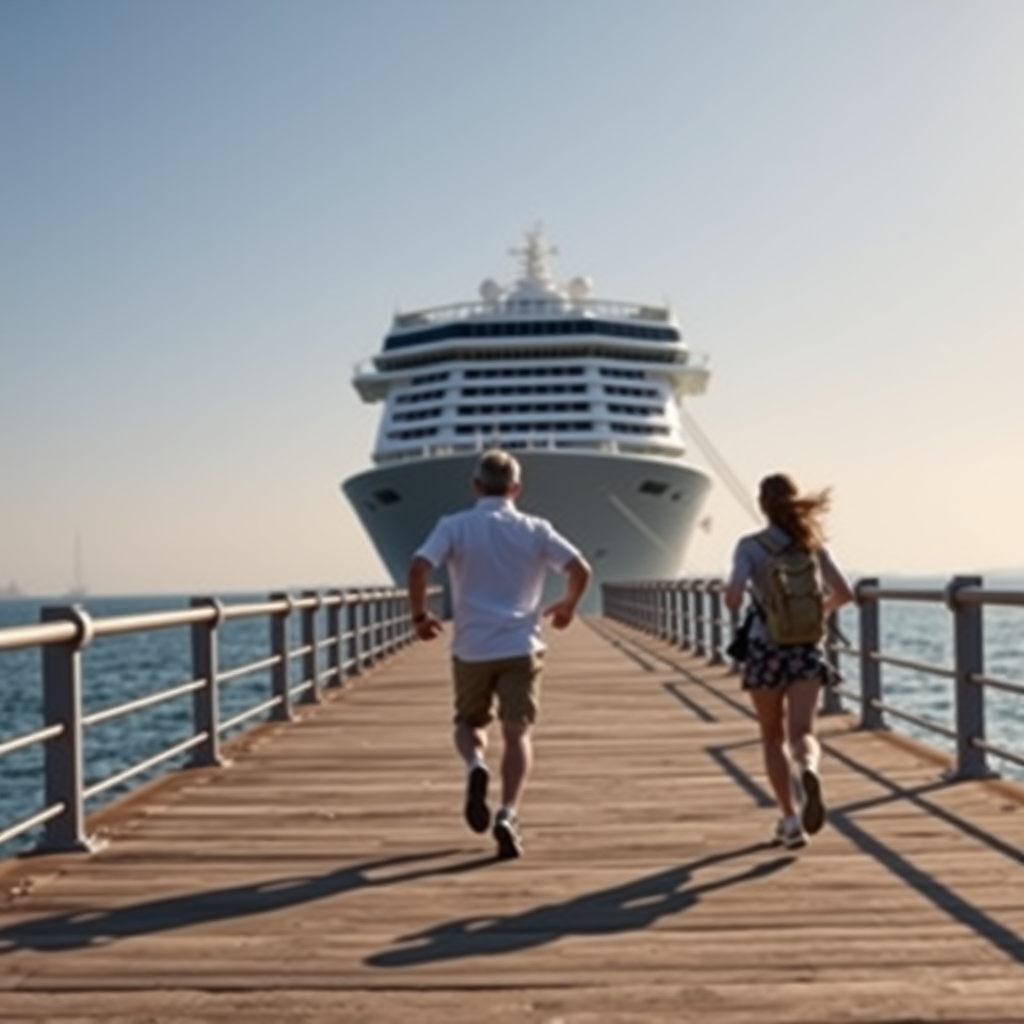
<point x="798" y="514"/>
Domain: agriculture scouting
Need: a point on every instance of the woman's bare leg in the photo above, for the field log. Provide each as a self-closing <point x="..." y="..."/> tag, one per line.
<point x="770" y="708"/>
<point x="801" y="711"/>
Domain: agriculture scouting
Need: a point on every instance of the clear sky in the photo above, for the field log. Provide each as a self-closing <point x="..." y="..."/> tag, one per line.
<point x="210" y="209"/>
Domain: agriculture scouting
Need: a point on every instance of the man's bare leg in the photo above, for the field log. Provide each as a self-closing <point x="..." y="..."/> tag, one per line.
<point x="516" y="761"/>
<point x="470" y="742"/>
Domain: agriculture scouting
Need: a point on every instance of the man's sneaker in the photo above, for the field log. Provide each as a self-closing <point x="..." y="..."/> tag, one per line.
<point x="478" y="814"/>
<point x="789" y="833"/>
<point x="813" y="816"/>
<point x="506" y="833"/>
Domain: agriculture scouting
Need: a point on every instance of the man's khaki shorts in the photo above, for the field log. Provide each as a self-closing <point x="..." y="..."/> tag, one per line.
<point x="515" y="682"/>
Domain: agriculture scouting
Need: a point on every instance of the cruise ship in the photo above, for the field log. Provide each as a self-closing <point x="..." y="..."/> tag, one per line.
<point x="586" y="392"/>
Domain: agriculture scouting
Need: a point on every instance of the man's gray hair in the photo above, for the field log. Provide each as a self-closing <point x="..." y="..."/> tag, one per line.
<point x="496" y="472"/>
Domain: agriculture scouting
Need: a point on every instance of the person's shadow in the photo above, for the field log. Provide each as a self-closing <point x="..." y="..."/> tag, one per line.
<point x="60" y="932"/>
<point x="629" y="907"/>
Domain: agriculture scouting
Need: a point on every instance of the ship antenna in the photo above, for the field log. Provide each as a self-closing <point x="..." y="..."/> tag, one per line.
<point x="534" y="256"/>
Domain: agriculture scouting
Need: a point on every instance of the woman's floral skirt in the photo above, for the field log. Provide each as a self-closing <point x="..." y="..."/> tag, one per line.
<point x="768" y="667"/>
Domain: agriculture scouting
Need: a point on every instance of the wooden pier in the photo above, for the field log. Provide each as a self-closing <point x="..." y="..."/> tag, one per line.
<point x="327" y="876"/>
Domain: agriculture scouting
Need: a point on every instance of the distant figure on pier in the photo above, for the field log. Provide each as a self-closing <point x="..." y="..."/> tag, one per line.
<point x="784" y="678"/>
<point x="497" y="559"/>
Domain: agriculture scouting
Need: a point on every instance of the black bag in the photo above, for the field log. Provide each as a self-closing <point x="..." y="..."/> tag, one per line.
<point x="739" y="646"/>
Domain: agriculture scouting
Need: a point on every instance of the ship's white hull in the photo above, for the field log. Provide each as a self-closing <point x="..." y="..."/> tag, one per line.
<point x="631" y="516"/>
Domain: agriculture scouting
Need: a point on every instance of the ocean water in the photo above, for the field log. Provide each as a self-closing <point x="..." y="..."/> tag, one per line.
<point x="118" y="669"/>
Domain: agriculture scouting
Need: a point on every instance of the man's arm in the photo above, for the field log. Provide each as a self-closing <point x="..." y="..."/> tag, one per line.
<point x="577" y="577"/>
<point x="423" y="621"/>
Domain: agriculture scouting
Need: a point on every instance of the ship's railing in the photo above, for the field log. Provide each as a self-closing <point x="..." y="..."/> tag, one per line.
<point x="340" y="634"/>
<point x="531" y="307"/>
<point x="691" y="615"/>
<point x="598" y="446"/>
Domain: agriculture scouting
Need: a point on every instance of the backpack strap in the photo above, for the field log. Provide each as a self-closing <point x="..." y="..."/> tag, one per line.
<point x="769" y="543"/>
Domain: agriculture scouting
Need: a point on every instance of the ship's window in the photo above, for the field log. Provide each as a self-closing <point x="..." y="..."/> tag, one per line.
<point x="607" y="371"/>
<point x="616" y="389"/>
<point x="521" y="408"/>
<point x="526" y="371"/>
<point x="419" y="396"/>
<point x="638" y="428"/>
<point x="635" y="410"/>
<point x="412" y="435"/>
<point x="386" y="496"/>
<point x="521" y="328"/>
<point x="655" y="487"/>
<point x="417" y="414"/>
<point x="540" y="429"/>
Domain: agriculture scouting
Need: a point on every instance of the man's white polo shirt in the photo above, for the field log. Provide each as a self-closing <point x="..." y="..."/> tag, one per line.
<point x="497" y="560"/>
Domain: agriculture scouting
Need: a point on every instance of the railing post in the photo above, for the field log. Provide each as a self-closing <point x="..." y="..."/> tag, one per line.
<point x="62" y="705"/>
<point x="380" y="602"/>
<point x="370" y="617"/>
<point x="365" y="630"/>
<point x="354" y="631"/>
<point x="715" y="592"/>
<point x="310" y="661"/>
<point x="335" y="650"/>
<point x="831" y="700"/>
<point x="281" y="672"/>
<point x="870" y="669"/>
<point x="686" y="613"/>
<point x="699" y="645"/>
<point x="205" y="701"/>
<point x="969" y="653"/>
<point x="673" y="613"/>
<point x="734" y="624"/>
<point x="395" y="639"/>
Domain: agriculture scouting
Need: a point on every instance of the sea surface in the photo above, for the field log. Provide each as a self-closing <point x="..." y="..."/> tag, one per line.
<point x="118" y="669"/>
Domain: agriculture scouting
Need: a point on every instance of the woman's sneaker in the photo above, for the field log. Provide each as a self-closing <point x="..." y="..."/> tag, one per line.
<point x="789" y="833"/>
<point x="506" y="834"/>
<point x="813" y="816"/>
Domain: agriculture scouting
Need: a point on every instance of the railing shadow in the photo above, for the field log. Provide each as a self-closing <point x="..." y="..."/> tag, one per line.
<point x="61" y="932"/>
<point x="758" y="794"/>
<point x="696" y="709"/>
<point x="842" y="818"/>
<point x="623" y="908"/>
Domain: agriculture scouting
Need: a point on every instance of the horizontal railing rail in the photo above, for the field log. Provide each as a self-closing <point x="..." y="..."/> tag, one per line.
<point x="691" y="614"/>
<point x="341" y="634"/>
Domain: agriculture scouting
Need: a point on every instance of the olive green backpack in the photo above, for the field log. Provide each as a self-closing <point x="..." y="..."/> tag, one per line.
<point x="794" y="596"/>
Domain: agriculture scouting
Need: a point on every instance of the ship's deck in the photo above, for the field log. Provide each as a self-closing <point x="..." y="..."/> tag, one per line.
<point x="327" y="875"/>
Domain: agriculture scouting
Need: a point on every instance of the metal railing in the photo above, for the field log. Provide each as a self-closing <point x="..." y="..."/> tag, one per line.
<point x="342" y="634"/>
<point x="691" y="615"/>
